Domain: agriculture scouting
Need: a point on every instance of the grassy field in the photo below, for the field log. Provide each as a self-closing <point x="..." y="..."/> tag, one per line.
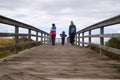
<point x="5" y="42"/>
<point x="10" y="41"/>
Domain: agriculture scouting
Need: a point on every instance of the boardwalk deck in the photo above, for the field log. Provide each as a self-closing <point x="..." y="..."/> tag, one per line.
<point x="58" y="62"/>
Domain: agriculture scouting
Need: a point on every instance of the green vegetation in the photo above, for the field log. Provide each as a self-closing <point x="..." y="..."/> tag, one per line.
<point x="118" y="67"/>
<point x="114" y="43"/>
<point x="5" y="53"/>
<point x="11" y="41"/>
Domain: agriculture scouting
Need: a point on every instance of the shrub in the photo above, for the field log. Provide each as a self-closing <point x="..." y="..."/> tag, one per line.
<point x="114" y="43"/>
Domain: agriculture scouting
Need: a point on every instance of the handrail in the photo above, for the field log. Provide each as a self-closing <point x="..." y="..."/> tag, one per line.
<point x="101" y="25"/>
<point x="4" y="20"/>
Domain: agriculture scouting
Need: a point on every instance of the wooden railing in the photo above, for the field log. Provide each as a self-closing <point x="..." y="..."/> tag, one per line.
<point x="7" y="21"/>
<point x="80" y="35"/>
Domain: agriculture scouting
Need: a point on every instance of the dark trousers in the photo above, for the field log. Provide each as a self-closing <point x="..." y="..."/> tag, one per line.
<point x="53" y="39"/>
<point x="63" y="41"/>
<point x="72" y="36"/>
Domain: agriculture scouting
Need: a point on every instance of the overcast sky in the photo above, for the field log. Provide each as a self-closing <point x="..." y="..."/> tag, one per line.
<point x="42" y="13"/>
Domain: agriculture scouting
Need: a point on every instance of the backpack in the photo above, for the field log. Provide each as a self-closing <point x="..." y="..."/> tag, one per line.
<point x="72" y="30"/>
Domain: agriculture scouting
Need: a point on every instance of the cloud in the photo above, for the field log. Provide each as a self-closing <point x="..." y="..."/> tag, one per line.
<point x="119" y="31"/>
<point x="42" y="13"/>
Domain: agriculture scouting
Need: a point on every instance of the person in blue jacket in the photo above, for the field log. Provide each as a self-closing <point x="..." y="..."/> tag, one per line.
<point x="72" y="32"/>
<point x="63" y="35"/>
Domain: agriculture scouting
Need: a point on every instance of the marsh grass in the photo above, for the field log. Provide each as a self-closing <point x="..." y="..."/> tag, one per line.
<point x="11" y="41"/>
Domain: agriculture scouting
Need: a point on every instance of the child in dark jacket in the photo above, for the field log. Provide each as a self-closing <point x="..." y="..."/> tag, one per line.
<point x="63" y="35"/>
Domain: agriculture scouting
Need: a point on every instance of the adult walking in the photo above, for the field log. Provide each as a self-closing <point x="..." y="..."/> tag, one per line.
<point x="53" y="34"/>
<point x="72" y="32"/>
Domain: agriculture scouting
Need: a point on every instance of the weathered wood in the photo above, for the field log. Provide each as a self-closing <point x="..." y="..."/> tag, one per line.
<point x="84" y="43"/>
<point x="3" y="48"/>
<point x="29" y="33"/>
<point x="47" y="62"/>
<point x="17" y="25"/>
<point x="117" y="35"/>
<point x="12" y="22"/>
<point x="37" y="36"/>
<point x="83" y="39"/>
<point x="101" y="38"/>
<point x="42" y="37"/>
<point x="112" y="50"/>
<point x="101" y="35"/>
<point x="11" y="35"/>
<point x="7" y="34"/>
<point x="89" y="36"/>
<point x="79" y="39"/>
<point x="16" y="38"/>
<point x="105" y="23"/>
<point x="76" y="39"/>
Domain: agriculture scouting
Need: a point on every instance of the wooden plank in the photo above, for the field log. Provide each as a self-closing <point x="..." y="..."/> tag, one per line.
<point x="11" y="34"/>
<point x="3" y="48"/>
<point x="83" y="39"/>
<point x="84" y="42"/>
<point x="89" y="36"/>
<point x="7" y="47"/>
<point x="112" y="50"/>
<point x="105" y="23"/>
<point x="7" y="34"/>
<point x="12" y="22"/>
<point x="117" y="35"/>
<point x="112" y="35"/>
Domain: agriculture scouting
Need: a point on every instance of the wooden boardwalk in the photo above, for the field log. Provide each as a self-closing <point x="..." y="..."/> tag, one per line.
<point x="58" y="62"/>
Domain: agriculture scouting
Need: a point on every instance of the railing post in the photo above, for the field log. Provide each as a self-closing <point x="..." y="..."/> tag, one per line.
<point x="79" y="39"/>
<point x="29" y="33"/>
<point x="76" y="39"/>
<point x="82" y="39"/>
<point x="36" y="35"/>
<point x="101" y="39"/>
<point x="44" y="38"/>
<point x="47" y="38"/>
<point x="89" y="38"/>
<point x="41" y="37"/>
<point x="16" y="39"/>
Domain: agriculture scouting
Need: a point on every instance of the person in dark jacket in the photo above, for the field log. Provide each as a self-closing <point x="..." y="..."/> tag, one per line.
<point x="72" y="32"/>
<point x="63" y="35"/>
<point x="53" y="34"/>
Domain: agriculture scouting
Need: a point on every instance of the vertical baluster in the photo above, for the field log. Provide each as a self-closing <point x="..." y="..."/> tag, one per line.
<point x="101" y="39"/>
<point x="89" y="38"/>
<point x="16" y="38"/>
<point x="82" y="39"/>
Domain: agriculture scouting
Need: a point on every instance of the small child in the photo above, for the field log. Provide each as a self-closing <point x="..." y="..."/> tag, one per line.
<point x="63" y="35"/>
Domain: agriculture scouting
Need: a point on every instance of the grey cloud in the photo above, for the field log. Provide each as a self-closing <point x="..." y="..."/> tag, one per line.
<point x="78" y="8"/>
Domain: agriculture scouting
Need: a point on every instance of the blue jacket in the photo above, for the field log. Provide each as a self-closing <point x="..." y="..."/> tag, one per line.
<point x="53" y="30"/>
<point x="63" y="35"/>
<point x="72" y="27"/>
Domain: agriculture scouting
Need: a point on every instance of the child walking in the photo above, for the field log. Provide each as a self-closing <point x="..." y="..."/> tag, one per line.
<point x="53" y="34"/>
<point x="63" y="35"/>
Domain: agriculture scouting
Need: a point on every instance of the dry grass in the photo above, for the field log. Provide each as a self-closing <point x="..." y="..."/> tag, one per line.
<point x="10" y="41"/>
<point x="6" y="41"/>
